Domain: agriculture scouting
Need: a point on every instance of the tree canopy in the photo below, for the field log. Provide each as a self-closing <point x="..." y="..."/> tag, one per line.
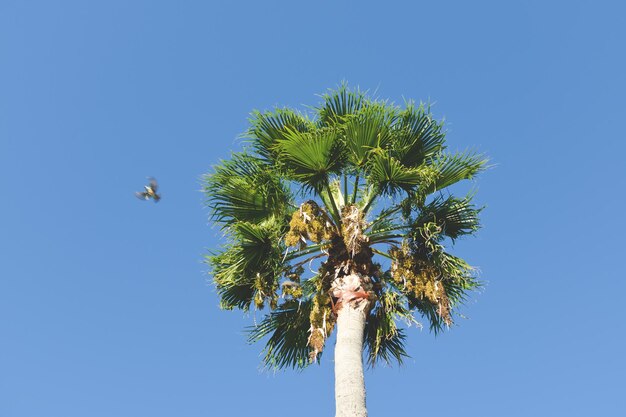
<point x="355" y="183"/>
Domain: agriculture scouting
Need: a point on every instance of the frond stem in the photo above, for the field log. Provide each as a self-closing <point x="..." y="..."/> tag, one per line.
<point x="383" y="217"/>
<point x="381" y="253"/>
<point x="388" y="241"/>
<point x="306" y="251"/>
<point x="336" y="215"/>
<point x="370" y="202"/>
<point x="319" y="255"/>
<point x="378" y="238"/>
<point x="389" y="229"/>
<point x="356" y="188"/>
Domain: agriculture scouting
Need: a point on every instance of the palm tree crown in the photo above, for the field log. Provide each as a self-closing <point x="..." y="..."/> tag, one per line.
<point x="347" y="204"/>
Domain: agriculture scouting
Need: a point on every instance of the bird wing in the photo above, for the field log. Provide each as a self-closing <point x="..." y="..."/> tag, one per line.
<point x="153" y="184"/>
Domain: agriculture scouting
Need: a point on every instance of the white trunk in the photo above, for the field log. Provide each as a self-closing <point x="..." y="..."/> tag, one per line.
<point x="349" y="381"/>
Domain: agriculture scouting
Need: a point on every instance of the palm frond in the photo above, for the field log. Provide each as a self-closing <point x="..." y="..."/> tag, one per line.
<point x="455" y="216"/>
<point x="245" y="189"/>
<point x="249" y="268"/>
<point x="256" y="243"/>
<point x="233" y="295"/>
<point x="288" y="328"/>
<point x="417" y="136"/>
<point x="367" y="130"/>
<point x="266" y="128"/>
<point x="310" y="157"/>
<point x="434" y="282"/>
<point x="452" y="168"/>
<point x="385" y="220"/>
<point x="338" y="104"/>
<point x="234" y="287"/>
<point x="387" y="175"/>
<point x="383" y="339"/>
<point x="461" y="278"/>
<point x="429" y="311"/>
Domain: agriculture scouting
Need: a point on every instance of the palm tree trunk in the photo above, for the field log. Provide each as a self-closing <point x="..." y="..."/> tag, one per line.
<point x="349" y="380"/>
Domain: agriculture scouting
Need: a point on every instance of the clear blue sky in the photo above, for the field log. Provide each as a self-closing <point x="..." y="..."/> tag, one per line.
<point x="105" y="306"/>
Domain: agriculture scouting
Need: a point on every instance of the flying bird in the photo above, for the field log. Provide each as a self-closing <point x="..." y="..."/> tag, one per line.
<point x="150" y="191"/>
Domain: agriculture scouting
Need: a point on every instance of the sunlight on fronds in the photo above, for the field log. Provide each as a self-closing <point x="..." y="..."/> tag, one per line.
<point x="453" y="168"/>
<point x="244" y="189"/>
<point x="318" y="202"/>
<point x="267" y="128"/>
<point x="417" y="136"/>
<point x="338" y="104"/>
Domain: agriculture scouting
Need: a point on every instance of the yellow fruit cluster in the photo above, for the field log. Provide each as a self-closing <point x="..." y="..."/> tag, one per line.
<point x="420" y="279"/>
<point x="263" y="291"/>
<point x="309" y="222"/>
<point x="322" y="324"/>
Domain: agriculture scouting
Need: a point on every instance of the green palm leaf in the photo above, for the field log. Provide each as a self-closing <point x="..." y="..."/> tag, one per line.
<point x="383" y="339"/>
<point x="309" y="158"/>
<point x="234" y="295"/>
<point x="348" y="158"/>
<point x="269" y="127"/>
<point x="387" y="175"/>
<point x="367" y="130"/>
<point x="250" y="267"/>
<point x="428" y="310"/>
<point x="234" y="286"/>
<point x="417" y="136"/>
<point x="338" y="104"/>
<point x="288" y="328"/>
<point x="453" y="274"/>
<point x="455" y="216"/>
<point x="456" y="167"/>
<point x="245" y="189"/>
<point x="257" y="243"/>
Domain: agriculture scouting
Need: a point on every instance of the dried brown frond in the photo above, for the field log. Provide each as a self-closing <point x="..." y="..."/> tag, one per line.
<point x="352" y="225"/>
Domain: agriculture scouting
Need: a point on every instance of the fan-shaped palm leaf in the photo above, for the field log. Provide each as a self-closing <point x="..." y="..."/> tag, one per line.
<point x="266" y="128"/>
<point x="383" y="339"/>
<point x="417" y="136"/>
<point x="454" y="168"/>
<point x="455" y="216"/>
<point x="387" y="175"/>
<point x="309" y="158"/>
<point x="288" y="327"/>
<point x="253" y="260"/>
<point x="245" y="188"/>
<point x="338" y="104"/>
<point x="367" y="130"/>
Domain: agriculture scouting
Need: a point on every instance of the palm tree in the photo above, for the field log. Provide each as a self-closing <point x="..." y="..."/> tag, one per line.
<point x="338" y="219"/>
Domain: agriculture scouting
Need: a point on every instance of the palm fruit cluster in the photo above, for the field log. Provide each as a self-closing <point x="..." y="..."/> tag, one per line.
<point x="420" y="278"/>
<point x="309" y="222"/>
<point x="291" y="287"/>
<point x="323" y="322"/>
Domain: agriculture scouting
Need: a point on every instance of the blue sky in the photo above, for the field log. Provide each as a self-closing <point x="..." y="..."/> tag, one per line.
<point x="105" y="305"/>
